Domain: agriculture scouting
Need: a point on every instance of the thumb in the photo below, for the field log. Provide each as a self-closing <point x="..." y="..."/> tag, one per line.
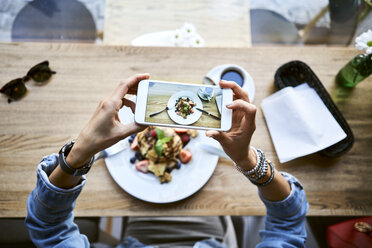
<point x="211" y="133"/>
<point x="219" y="136"/>
<point x="131" y="128"/>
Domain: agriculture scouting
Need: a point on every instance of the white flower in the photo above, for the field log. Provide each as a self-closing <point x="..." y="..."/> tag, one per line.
<point x="196" y="41"/>
<point x="178" y="38"/>
<point x="187" y="36"/>
<point x="188" y="30"/>
<point x="364" y="41"/>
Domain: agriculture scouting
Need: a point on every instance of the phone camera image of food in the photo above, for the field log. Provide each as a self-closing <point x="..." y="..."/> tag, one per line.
<point x="186" y="105"/>
<point x="159" y="150"/>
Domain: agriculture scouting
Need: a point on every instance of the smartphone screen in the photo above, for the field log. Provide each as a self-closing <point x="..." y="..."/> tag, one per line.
<point x="185" y="105"/>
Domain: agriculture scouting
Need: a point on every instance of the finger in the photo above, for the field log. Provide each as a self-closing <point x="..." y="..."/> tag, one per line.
<point x="128" y="103"/>
<point x="127" y="84"/>
<point x="238" y="91"/>
<point x="248" y="108"/>
<point x="133" y="90"/>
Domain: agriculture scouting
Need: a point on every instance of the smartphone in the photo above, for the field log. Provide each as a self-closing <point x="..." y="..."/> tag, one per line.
<point x="182" y="105"/>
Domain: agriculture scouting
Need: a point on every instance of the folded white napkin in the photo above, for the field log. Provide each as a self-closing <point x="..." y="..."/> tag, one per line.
<point x="299" y="122"/>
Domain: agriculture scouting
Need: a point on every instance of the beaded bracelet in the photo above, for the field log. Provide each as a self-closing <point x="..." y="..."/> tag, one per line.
<point x="269" y="180"/>
<point x="262" y="167"/>
<point x="254" y="170"/>
<point x="259" y="171"/>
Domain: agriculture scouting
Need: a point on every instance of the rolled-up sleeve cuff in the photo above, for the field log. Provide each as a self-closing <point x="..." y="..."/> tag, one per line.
<point x="292" y="205"/>
<point x="49" y="199"/>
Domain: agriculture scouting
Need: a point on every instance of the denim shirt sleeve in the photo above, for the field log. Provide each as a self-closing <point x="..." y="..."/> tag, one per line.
<point x="49" y="210"/>
<point x="285" y="220"/>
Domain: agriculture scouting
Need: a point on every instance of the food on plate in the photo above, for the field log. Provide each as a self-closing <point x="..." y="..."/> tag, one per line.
<point x="143" y="165"/>
<point x="184" y="106"/>
<point x="159" y="150"/>
<point x="185" y="156"/>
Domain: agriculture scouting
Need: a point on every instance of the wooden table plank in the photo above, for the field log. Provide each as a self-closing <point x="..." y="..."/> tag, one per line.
<point x="221" y="23"/>
<point x="54" y="113"/>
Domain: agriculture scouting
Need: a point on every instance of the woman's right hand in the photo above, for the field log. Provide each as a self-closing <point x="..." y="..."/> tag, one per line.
<point x="236" y="142"/>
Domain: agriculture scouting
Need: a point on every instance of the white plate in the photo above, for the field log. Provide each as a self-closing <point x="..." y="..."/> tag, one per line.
<point x="190" y="118"/>
<point x="163" y="38"/>
<point x="185" y="181"/>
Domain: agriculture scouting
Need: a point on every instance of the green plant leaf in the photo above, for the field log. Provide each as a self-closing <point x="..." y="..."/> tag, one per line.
<point x="162" y="139"/>
<point x="159" y="133"/>
<point x="159" y="147"/>
<point x="166" y="139"/>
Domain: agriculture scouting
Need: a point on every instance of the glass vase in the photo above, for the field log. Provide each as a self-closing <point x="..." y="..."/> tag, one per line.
<point x="357" y="69"/>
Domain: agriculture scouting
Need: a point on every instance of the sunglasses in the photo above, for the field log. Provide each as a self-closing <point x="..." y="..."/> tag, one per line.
<point x="16" y="89"/>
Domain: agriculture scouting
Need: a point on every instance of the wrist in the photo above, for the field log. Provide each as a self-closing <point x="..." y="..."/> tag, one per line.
<point x="78" y="157"/>
<point x="257" y="168"/>
<point x="249" y="161"/>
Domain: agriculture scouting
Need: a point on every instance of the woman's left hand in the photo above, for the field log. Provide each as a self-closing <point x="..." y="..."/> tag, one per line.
<point x="104" y="128"/>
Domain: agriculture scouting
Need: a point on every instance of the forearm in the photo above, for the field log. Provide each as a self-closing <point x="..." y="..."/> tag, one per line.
<point x="285" y="219"/>
<point x="285" y="203"/>
<point x="49" y="210"/>
<point x="277" y="190"/>
<point x="286" y="207"/>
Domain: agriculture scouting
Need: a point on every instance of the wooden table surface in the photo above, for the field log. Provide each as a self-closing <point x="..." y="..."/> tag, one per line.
<point x="221" y="23"/>
<point x="53" y="114"/>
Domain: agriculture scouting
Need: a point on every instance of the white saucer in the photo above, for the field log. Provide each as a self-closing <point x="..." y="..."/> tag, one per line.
<point x="215" y="74"/>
